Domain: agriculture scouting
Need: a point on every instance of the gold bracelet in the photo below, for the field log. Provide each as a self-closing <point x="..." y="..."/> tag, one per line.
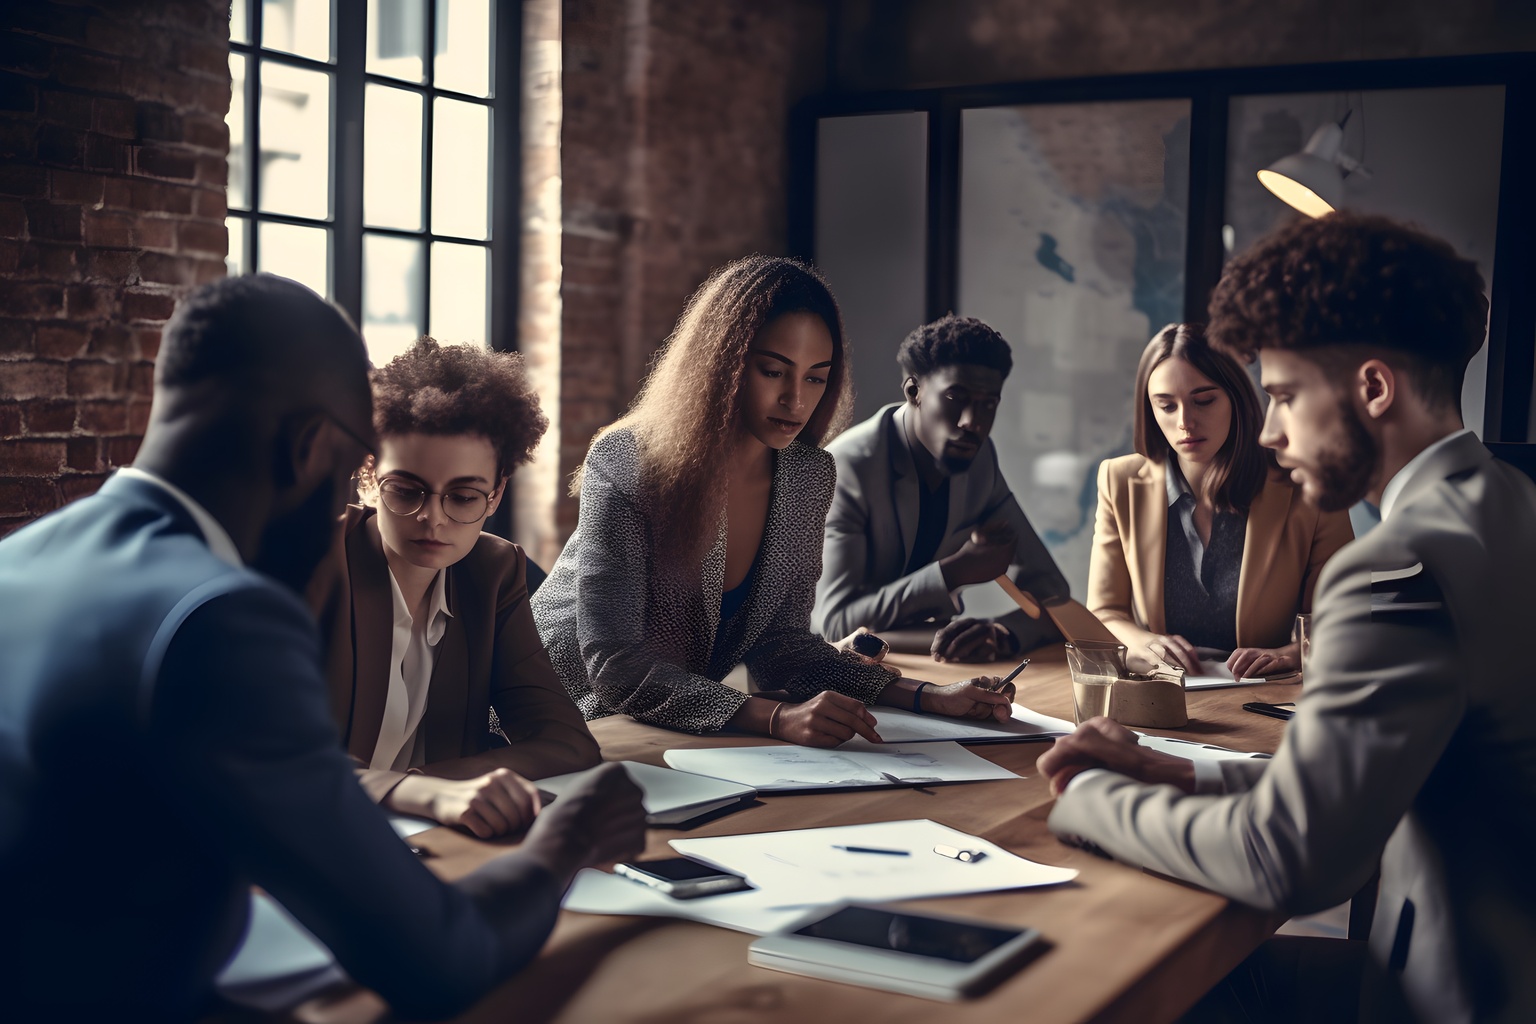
<point x="773" y="716"/>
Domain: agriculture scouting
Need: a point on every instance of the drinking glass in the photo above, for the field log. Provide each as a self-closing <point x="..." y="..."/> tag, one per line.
<point x="1095" y="665"/>
<point x="1301" y="634"/>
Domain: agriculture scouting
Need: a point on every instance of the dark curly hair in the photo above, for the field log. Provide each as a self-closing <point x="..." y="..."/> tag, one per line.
<point x="460" y="389"/>
<point x="950" y="341"/>
<point x="1352" y="280"/>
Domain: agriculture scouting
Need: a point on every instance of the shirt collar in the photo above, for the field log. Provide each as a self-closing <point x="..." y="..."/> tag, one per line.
<point x="1390" y="493"/>
<point x="214" y="534"/>
<point x="437" y="607"/>
<point x="1177" y="485"/>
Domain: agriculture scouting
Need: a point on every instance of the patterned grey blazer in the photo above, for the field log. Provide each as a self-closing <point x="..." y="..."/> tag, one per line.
<point x="632" y="635"/>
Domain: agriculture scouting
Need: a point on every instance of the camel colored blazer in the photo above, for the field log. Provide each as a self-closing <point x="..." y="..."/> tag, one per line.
<point x="1284" y="548"/>
<point x="490" y="656"/>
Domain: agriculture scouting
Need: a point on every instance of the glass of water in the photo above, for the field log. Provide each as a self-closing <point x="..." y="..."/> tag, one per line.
<point x="1095" y="665"/>
<point x="1301" y="634"/>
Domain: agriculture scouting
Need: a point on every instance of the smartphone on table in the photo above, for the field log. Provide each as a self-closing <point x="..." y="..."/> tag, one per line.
<point x="1281" y="711"/>
<point x="869" y="645"/>
<point x="681" y="878"/>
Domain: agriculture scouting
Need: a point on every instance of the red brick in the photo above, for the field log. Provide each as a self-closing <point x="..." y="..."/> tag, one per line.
<point x="39" y="301"/>
<point x="146" y="342"/>
<point x="57" y="144"/>
<point x="156" y="268"/>
<point x="105" y="35"/>
<point x="87" y="71"/>
<point x="211" y="203"/>
<point x="24" y="180"/>
<point x="198" y="55"/>
<point x="10" y="419"/>
<point x="107" y="230"/>
<point x="103" y="417"/>
<point x="115" y="265"/>
<point x="53" y="222"/>
<point x="73" y="187"/>
<point x="10" y="524"/>
<point x="138" y="417"/>
<point x="90" y="302"/>
<point x="26" y="457"/>
<point x="96" y="380"/>
<point x="62" y="341"/>
<point x="213" y="170"/>
<point x="159" y="162"/>
<point x="104" y="153"/>
<point x="207" y="133"/>
<point x="140" y="305"/>
<point x="115" y="117"/>
<point x="160" y="197"/>
<point x="119" y="451"/>
<point x="18" y="139"/>
<point x="156" y="233"/>
<point x="210" y="269"/>
<point x="54" y="262"/>
<point x="141" y="379"/>
<point x="111" y="341"/>
<point x="66" y="108"/>
<point x="49" y="417"/>
<point x="158" y="122"/>
<point x="74" y="487"/>
<point x="118" y="194"/>
<point x="198" y="236"/>
<point x="13" y="219"/>
<point x="16" y="337"/>
<point x="10" y="256"/>
<point x="83" y="454"/>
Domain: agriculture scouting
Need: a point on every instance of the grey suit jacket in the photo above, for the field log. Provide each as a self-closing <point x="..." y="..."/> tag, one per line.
<point x="872" y="526"/>
<point x="631" y="633"/>
<point x="1414" y="743"/>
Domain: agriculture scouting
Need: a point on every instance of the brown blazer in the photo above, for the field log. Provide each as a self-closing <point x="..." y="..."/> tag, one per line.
<point x="1284" y="549"/>
<point x="490" y="656"/>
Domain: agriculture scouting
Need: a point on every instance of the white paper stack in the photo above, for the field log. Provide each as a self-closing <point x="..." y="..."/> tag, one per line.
<point x="897" y="726"/>
<point x="788" y="767"/>
<point x="670" y="797"/>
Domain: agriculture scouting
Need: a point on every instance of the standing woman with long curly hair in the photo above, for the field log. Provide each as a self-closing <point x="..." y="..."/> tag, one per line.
<point x="699" y="540"/>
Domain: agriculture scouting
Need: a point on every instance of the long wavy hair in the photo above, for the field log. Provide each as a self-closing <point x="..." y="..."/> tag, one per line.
<point x="686" y="417"/>
<point x="1238" y="472"/>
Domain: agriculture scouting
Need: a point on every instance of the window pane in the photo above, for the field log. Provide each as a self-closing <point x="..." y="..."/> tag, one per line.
<point x="463" y="59"/>
<point x="1072" y="221"/>
<point x="295" y="141"/>
<point x="459" y="312"/>
<point x="392" y="295"/>
<point x="239" y="19"/>
<point x="392" y="158"/>
<point x="872" y="238"/>
<point x="461" y="156"/>
<point x="236" y="122"/>
<point x="234" y="263"/>
<point x="299" y="253"/>
<point x="297" y="26"/>
<point x="397" y="33"/>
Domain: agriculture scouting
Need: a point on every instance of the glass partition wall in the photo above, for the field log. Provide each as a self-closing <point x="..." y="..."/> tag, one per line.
<point x="1080" y="217"/>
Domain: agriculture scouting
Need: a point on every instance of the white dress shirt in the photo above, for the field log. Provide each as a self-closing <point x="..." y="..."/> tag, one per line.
<point x="412" y="655"/>
<point x="213" y="531"/>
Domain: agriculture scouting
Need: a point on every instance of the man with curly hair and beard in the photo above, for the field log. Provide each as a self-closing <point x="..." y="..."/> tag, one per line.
<point x="1414" y="741"/>
<point x="431" y="637"/>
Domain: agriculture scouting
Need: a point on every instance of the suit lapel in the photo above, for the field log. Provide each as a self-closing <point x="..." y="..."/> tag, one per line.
<point x="1262" y="538"/>
<point x="904" y="485"/>
<point x="447" y="708"/>
<point x="1147" y="554"/>
<point x="373" y="624"/>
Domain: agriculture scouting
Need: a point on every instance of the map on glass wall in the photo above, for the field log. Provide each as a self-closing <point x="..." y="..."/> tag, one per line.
<point x="1072" y="223"/>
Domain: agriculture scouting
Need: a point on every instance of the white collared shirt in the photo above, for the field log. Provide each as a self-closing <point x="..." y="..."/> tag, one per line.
<point x="1394" y="488"/>
<point x="213" y="531"/>
<point x="412" y="655"/>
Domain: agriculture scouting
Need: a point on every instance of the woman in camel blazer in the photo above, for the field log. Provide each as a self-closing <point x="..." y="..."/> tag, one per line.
<point x="1201" y="541"/>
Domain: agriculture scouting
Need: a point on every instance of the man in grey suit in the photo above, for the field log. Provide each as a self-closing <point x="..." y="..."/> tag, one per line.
<point x="1414" y="740"/>
<point x="922" y="510"/>
<point x="166" y="738"/>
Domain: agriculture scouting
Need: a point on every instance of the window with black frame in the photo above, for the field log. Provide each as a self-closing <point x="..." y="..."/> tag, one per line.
<point x="361" y="159"/>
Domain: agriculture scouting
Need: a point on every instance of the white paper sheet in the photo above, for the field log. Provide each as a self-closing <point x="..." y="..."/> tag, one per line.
<point x="897" y="726"/>
<point x="279" y="964"/>
<point x="788" y="767"/>
<point x="1194" y="750"/>
<point x="1215" y="674"/>
<point x="798" y="870"/>
<point x="671" y="797"/>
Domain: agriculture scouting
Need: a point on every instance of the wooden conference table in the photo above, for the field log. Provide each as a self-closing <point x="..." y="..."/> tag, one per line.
<point x="1126" y="945"/>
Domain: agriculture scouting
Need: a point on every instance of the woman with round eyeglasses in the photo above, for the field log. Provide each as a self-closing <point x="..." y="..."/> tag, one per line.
<point x="431" y="641"/>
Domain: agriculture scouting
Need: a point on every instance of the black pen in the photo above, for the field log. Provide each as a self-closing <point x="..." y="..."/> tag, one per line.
<point x="1009" y="677"/>
<point x="872" y="849"/>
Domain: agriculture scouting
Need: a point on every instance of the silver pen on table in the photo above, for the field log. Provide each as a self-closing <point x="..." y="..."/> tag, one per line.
<point x="1009" y="677"/>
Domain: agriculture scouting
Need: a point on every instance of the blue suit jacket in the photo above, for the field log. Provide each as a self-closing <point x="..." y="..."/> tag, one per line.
<point x="165" y="741"/>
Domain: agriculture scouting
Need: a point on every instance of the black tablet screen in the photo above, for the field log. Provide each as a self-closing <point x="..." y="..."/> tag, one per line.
<point x="910" y="933"/>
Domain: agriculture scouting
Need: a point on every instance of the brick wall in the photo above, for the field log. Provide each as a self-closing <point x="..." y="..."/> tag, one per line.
<point x="112" y="172"/>
<point x="673" y="161"/>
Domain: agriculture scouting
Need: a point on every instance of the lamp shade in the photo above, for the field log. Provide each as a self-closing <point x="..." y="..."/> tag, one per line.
<point x="1311" y="181"/>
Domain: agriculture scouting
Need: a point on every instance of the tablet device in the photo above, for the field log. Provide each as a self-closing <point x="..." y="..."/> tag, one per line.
<point x="928" y="955"/>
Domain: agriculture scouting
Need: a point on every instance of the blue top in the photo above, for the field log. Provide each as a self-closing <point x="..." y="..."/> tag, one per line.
<point x="1200" y="579"/>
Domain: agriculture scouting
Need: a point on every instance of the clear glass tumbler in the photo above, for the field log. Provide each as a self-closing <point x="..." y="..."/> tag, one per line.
<point x="1095" y="665"/>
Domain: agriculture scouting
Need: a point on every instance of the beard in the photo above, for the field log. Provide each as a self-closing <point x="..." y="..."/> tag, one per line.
<point x="953" y="464"/>
<point x="294" y="544"/>
<point x="1344" y="472"/>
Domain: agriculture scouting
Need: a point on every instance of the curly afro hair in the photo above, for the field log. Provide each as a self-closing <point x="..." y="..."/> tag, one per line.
<point x="1351" y="280"/>
<point x="460" y="389"/>
<point x="953" y="341"/>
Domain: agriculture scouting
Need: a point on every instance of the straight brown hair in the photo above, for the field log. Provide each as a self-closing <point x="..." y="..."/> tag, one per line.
<point x="1238" y="472"/>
